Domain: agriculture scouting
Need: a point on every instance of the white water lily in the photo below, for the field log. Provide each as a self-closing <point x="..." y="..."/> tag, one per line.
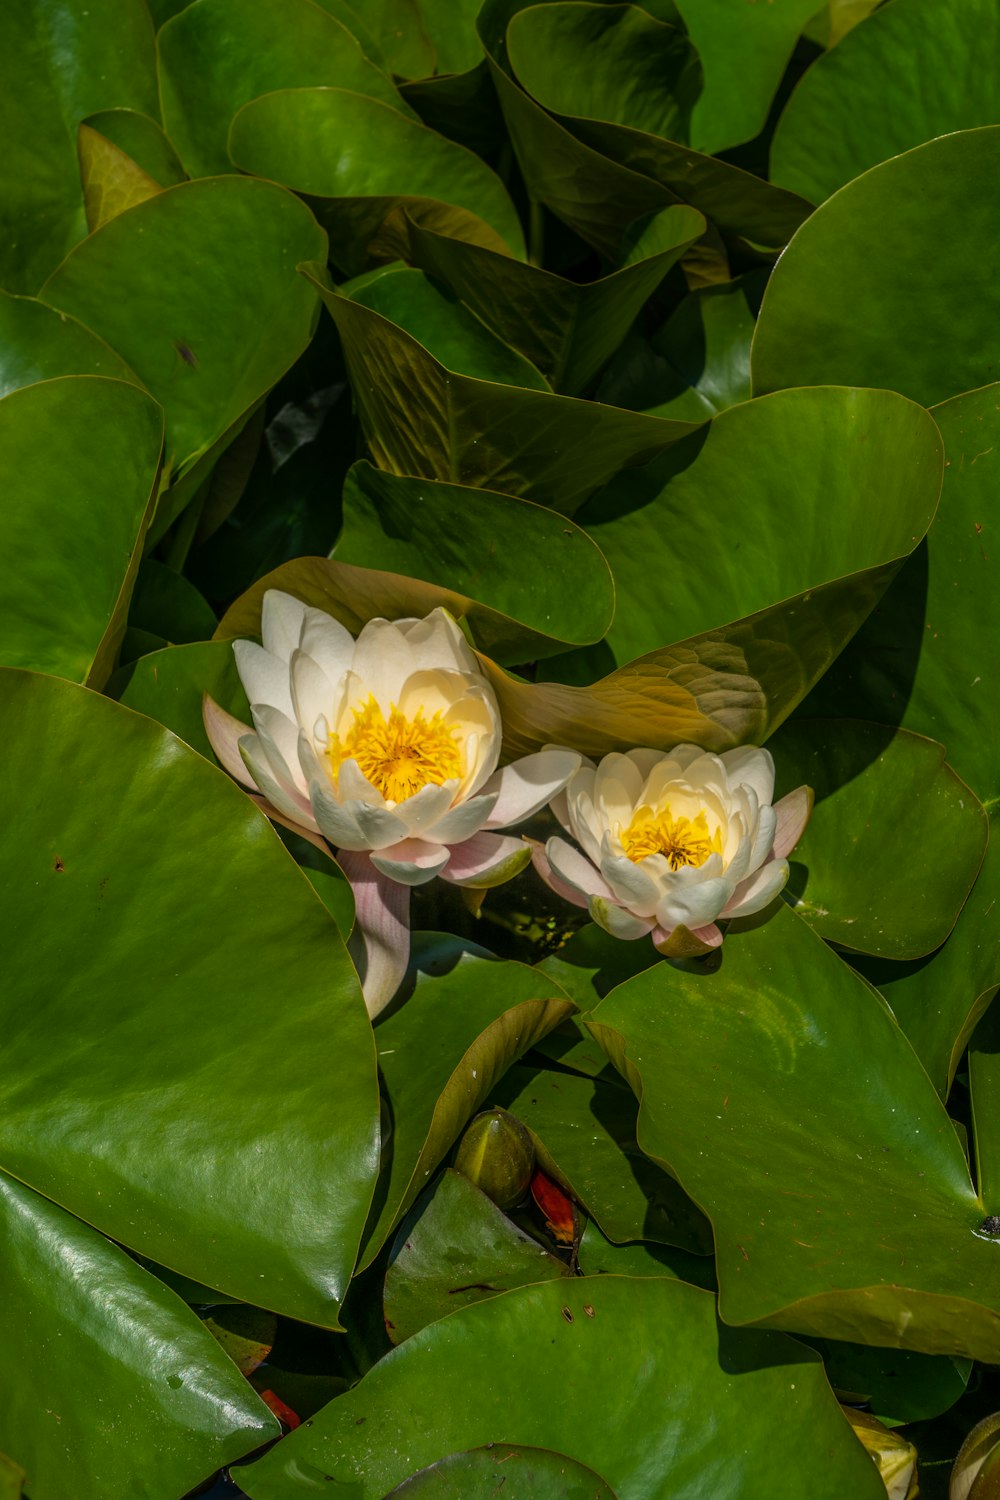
<point x="385" y="747"/>
<point x="671" y="842"/>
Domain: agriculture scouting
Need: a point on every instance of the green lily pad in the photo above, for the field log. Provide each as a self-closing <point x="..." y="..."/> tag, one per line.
<point x="599" y="1257"/>
<point x="467" y="1020"/>
<point x="924" y="658"/>
<point x="168" y="604"/>
<point x="37" y="343"/>
<point x="584" y="1131"/>
<point x="461" y="1249"/>
<point x="595" y="103"/>
<point x="168" y="686"/>
<point x="698" y="363"/>
<point x="876" y="789"/>
<point x="938" y="1001"/>
<point x="868" y="294"/>
<point x="744" y="51"/>
<point x="896" y="1385"/>
<point x="646" y="1413"/>
<point x="110" y="1385"/>
<point x="112" y="181"/>
<point x="11" y="1479"/>
<point x="842" y="119"/>
<point x="530" y="581"/>
<point x="81" y="459"/>
<point x="176" y="929"/>
<point x="60" y="65"/>
<point x="196" y="288"/>
<point x="303" y="138"/>
<point x="567" y="329"/>
<point x="143" y="140"/>
<point x="433" y="315"/>
<point x="984" y="1076"/>
<point x="216" y="56"/>
<point x="792" y="1108"/>
<point x="863" y="466"/>
<point x="421" y="418"/>
<point x="525" y="1473"/>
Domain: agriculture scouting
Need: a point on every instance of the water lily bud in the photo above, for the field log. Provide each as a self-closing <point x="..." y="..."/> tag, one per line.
<point x="498" y="1155"/>
<point x="976" y="1475"/>
<point x="895" y="1458"/>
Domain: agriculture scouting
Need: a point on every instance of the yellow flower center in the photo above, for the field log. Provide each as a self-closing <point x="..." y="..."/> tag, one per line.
<point x="683" y="841"/>
<point x="398" y="755"/>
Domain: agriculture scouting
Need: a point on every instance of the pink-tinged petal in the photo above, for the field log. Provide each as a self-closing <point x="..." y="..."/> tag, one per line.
<point x="264" y="677"/>
<point x="575" y="869"/>
<point x="630" y="883"/>
<point x="460" y="823"/>
<point x="281" y="795"/>
<point x="682" y="942"/>
<point x="380" y="941"/>
<point x="316" y="839"/>
<point x="486" y="860"/>
<point x="224" y="735"/>
<point x="540" y="861"/>
<point x="411" y="861"/>
<point x="528" y="785"/>
<point x="758" y="890"/>
<point x="792" y="814"/>
<point x="281" y="620"/>
<point x="617" y="921"/>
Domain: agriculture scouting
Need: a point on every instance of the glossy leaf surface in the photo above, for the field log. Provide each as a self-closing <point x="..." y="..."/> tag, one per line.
<point x="161" y="1407"/>
<point x="196" y="288"/>
<point x="531" y="580"/>
<point x="420" y="418"/>
<point x="460" y="1250"/>
<point x="525" y="1473"/>
<point x="856" y="300"/>
<point x="467" y="1020"/>
<point x="61" y="63"/>
<point x="302" y="137"/>
<point x="585" y="1137"/>
<point x="217" y="55"/>
<point x="89" y="501"/>
<point x="626" y="1409"/>
<point x="143" y="140"/>
<point x="168" y="686"/>
<point x="567" y="329"/>
<point x="841" y="1201"/>
<point x="119" y="1099"/>
<point x="852" y="887"/>
<point x="942" y="57"/>
<point x="37" y="343"/>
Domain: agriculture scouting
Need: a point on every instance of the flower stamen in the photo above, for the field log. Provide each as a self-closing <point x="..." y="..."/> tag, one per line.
<point x="682" y="841"/>
<point x="398" y="755"/>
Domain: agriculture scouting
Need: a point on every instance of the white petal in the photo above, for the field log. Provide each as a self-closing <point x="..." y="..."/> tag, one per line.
<point x="792" y="815"/>
<point x="353" y="785"/>
<point x="423" y="809"/>
<point x="764" y="839"/>
<point x="576" y="870"/>
<point x="328" y="643"/>
<point x="528" y="784"/>
<point x="644" y="760"/>
<point x="631" y="884"/>
<point x="540" y="860"/>
<point x="383" y="660"/>
<point x="437" y="641"/>
<point x="379" y="827"/>
<point x="279" y="739"/>
<point x="411" y="861"/>
<point x="694" y="904"/>
<point x="264" y="677"/>
<point x="758" y="890"/>
<point x="751" y="766"/>
<point x="335" y="821"/>
<point x="739" y="865"/>
<point x="281" y="620"/>
<point x="616" y="920"/>
<point x="280" y="794"/>
<point x="617" y="789"/>
<point x="486" y="860"/>
<point x="461" y="822"/>
<point x="313" y="694"/>
<point x="224" y="735"/>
